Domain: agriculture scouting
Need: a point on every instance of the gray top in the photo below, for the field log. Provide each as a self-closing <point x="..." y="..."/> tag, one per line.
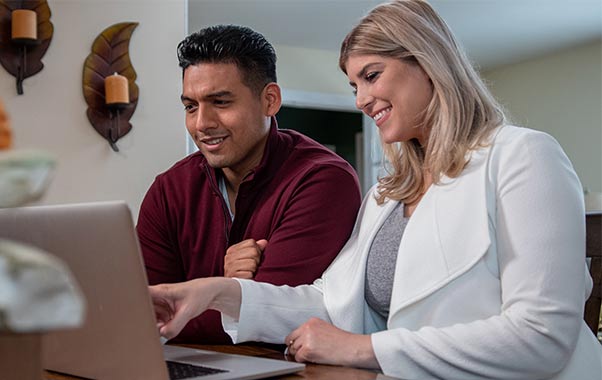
<point x="380" y="265"/>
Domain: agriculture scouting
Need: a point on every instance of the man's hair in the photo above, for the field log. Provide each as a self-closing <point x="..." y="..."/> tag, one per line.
<point x="247" y="49"/>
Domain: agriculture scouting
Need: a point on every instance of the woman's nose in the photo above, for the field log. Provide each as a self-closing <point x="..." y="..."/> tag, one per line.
<point x="362" y="99"/>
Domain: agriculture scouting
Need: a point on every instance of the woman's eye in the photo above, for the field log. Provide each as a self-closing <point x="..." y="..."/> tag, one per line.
<point x="372" y="76"/>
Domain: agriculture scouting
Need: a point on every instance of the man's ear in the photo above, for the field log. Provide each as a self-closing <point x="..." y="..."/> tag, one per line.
<point x="271" y="99"/>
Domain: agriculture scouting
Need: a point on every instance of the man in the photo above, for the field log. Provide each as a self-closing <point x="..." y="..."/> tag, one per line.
<point x="255" y="201"/>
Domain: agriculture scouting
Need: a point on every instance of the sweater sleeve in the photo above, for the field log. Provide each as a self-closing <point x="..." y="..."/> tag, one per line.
<point x="540" y="246"/>
<point x="163" y="263"/>
<point x="318" y="220"/>
<point x="159" y="247"/>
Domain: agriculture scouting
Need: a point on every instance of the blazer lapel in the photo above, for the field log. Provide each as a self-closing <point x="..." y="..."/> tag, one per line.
<point x="344" y="279"/>
<point x="446" y="235"/>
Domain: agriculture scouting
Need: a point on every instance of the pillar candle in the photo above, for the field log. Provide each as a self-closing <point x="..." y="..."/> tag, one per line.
<point x="5" y="132"/>
<point x="116" y="89"/>
<point x="24" y="24"/>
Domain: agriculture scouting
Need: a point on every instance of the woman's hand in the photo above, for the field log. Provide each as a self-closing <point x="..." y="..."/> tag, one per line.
<point x="176" y="304"/>
<point x="318" y="341"/>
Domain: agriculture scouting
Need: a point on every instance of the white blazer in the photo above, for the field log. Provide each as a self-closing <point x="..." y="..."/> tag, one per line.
<point x="490" y="279"/>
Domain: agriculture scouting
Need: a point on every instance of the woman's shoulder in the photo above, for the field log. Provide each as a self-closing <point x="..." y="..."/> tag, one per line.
<point x="521" y="147"/>
<point x="513" y="135"/>
<point x="512" y="142"/>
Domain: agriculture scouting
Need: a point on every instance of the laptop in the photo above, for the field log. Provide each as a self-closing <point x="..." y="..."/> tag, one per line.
<point x="119" y="339"/>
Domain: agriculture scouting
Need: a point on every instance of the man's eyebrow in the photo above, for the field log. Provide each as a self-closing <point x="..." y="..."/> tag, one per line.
<point x="217" y="94"/>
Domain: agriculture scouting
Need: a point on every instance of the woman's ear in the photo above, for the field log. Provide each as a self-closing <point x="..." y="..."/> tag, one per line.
<point x="271" y="98"/>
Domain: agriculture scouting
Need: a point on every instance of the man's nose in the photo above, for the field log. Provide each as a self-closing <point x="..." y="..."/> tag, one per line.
<point x="205" y="119"/>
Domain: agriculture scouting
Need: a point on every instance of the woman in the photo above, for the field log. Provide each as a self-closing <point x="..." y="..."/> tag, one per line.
<point x="466" y="261"/>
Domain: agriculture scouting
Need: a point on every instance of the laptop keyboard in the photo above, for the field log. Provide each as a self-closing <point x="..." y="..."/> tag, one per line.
<point x="179" y="371"/>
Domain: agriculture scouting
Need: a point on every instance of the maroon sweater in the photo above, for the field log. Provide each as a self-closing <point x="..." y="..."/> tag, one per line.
<point x="302" y="198"/>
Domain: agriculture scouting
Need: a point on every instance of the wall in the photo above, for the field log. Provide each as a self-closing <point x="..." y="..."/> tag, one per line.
<point x="311" y="70"/>
<point x="560" y="94"/>
<point x="51" y="115"/>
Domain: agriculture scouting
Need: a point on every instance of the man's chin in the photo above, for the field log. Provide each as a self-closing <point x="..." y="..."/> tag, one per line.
<point x="216" y="164"/>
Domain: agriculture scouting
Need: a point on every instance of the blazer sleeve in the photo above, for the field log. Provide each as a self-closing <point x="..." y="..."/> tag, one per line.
<point x="268" y="313"/>
<point x="540" y="234"/>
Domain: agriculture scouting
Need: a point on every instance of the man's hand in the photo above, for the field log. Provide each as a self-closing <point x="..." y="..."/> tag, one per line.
<point x="242" y="259"/>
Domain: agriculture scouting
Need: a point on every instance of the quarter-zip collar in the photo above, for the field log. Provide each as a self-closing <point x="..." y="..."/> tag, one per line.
<point x="274" y="153"/>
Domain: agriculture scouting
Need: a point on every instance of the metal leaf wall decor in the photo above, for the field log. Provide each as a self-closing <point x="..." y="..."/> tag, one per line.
<point x="110" y="54"/>
<point x="10" y="52"/>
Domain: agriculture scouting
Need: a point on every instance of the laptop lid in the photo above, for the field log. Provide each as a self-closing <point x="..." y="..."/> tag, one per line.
<point x="119" y="338"/>
<point x="97" y="242"/>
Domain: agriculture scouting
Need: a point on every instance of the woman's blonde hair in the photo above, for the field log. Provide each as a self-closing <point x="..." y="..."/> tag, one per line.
<point x="462" y="112"/>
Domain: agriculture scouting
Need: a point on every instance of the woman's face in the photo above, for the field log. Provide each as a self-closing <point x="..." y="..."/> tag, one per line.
<point x="394" y="93"/>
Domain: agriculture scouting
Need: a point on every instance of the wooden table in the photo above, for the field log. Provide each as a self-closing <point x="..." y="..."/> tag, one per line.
<point x="311" y="371"/>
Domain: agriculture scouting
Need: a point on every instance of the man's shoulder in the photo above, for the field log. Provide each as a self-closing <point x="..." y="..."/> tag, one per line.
<point x="306" y="153"/>
<point x="193" y="163"/>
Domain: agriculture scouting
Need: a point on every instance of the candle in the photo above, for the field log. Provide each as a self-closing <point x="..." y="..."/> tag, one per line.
<point x="116" y="89"/>
<point x="24" y="24"/>
<point x="5" y="133"/>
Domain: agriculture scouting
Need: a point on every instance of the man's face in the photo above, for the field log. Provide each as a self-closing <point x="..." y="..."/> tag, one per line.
<point x="226" y="119"/>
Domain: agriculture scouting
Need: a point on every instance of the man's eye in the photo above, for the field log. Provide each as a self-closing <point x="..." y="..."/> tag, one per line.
<point x="218" y="102"/>
<point x="354" y="91"/>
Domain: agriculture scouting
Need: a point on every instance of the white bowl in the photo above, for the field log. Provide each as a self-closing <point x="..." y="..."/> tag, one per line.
<point x="24" y="176"/>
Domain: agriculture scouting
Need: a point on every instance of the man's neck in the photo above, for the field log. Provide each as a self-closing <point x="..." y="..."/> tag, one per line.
<point x="231" y="195"/>
<point x="233" y="178"/>
<point x="234" y="175"/>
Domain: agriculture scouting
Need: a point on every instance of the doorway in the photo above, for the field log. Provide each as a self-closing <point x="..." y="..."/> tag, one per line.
<point x="334" y="121"/>
<point x="340" y="131"/>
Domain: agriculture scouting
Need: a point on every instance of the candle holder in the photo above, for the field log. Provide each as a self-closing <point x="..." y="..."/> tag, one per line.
<point x="24" y="44"/>
<point x="22" y="57"/>
<point x="110" y="55"/>
<point x="115" y="110"/>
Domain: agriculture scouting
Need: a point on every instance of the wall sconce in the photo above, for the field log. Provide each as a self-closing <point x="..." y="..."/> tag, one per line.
<point x="109" y="83"/>
<point x="25" y="34"/>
